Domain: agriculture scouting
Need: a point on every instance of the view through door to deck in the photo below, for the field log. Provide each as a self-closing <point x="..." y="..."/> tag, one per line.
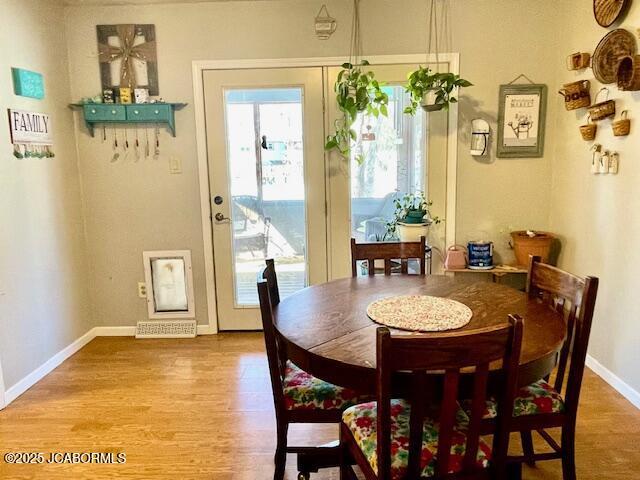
<point x="264" y="130"/>
<point x="265" y="149"/>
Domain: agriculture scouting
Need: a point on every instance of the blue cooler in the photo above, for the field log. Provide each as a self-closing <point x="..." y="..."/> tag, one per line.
<point x="480" y="255"/>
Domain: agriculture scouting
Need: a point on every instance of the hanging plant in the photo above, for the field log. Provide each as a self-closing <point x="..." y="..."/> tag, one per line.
<point x="357" y="91"/>
<point x="432" y="90"/>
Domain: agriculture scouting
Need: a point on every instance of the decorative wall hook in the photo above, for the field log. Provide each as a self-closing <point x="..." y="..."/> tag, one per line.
<point x="325" y="24"/>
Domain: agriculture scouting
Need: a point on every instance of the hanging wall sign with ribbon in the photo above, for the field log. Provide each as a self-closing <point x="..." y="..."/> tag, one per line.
<point x="30" y="134"/>
<point x="132" y="50"/>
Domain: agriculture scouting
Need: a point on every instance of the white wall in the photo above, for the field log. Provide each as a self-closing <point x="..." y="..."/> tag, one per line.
<point x="44" y="302"/>
<point x="135" y="206"/>
<point x="599" y="216"/>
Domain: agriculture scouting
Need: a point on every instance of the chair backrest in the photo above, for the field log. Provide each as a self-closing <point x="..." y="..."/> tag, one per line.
<point x="388" y="251"/>
<point x="269" y="274"/>
<point x="575" y="298"/>
<point x="276" y="355"/>
<point x="448" y="352"/>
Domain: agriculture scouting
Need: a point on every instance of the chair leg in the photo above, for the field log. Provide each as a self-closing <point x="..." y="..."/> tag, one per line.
<point x="527" y="447"/>
<point x="345" y="469"/>
<point x="568" y="453"/>
<point x="280" y="459"/>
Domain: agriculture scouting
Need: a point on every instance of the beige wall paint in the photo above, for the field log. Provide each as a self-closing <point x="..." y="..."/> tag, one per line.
<point x="599" y="216"/>
<point x="136" y="206"/>
<point x="44" y="304"/>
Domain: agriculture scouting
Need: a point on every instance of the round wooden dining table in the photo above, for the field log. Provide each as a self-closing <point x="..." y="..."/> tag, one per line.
<point x="327" y="331"/>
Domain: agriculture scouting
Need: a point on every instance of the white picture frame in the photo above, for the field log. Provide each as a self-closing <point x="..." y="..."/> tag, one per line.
<point x="169" y="280"/>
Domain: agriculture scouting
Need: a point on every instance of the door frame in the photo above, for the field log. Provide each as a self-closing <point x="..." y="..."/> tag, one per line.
<point x="198" y="68"/>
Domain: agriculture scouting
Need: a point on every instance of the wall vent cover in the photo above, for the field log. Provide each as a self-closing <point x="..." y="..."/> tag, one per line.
<point x="166" y="329"/>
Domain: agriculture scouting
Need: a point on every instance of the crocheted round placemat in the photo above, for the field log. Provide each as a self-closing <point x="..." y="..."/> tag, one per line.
<point x="421" y="313"/>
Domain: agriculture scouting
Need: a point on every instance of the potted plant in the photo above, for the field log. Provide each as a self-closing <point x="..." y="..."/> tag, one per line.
<point x="432" y="90"/>
<point x="412" y="218"/>
<point x="357" y="91"/>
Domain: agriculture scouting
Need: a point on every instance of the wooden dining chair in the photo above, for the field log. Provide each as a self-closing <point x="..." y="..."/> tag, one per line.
<point x="388" y="251"/>
<point x="298" y="396"/>
<point x="541" y="405"/>
<point x="394" y="439"/>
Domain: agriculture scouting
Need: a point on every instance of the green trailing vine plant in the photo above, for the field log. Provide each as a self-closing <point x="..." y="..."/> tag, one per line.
<point x="442" y="85"/>
<point x="357" y="91"/>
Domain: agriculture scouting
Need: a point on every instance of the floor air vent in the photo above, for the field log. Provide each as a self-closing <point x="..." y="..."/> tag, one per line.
<point x="166" y="329"/>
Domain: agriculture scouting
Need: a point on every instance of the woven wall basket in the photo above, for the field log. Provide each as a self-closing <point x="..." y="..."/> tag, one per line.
<point x="607" y="12"/>
<point x="622" y="127"/>
<point x="576" y="94"/>
<point x="601" y="110"/>
<point x="588" y="131"/>
<point x="613" y="46"/>
<point x="629" y="72"/>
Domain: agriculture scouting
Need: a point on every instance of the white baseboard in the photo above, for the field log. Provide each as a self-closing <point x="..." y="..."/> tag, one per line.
<point x="35" y="376"/>
<point x="612" y="379"/>
<point x="115" y="331"/>
<point x="8" y="396"/>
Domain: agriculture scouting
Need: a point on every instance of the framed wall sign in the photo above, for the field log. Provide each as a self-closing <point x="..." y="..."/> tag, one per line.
<point x="521" y="120"/>
<point x="27" y="83"/>
<point x="32" y="128"/>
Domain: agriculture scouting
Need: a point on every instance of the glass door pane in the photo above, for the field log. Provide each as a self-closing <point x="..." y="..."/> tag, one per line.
<point x="395" y="163"/>
<point x="266" y="180"/>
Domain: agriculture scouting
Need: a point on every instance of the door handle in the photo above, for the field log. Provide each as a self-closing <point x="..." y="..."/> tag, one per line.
<point x="221" y="218"/>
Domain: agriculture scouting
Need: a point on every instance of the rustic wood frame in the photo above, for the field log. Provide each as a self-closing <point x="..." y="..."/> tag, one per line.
<point x="149" y="32"/>
<point x="522" y="152"/>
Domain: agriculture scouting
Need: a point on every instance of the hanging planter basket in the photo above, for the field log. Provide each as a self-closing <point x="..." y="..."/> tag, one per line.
<point x="429" y="104"/>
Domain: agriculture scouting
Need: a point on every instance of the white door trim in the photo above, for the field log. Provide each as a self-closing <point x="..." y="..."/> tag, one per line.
<point x="199" y="66"/>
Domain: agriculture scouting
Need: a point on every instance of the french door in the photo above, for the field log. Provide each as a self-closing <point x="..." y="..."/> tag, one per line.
<point x="265" y="138"/>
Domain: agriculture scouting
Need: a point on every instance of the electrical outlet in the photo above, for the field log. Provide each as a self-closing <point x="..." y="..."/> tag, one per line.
<point x="175" y="165"/>
<point x="142" y="290"/>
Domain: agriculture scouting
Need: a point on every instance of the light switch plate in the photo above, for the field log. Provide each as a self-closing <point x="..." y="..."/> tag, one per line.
<point x="175" y="165"/>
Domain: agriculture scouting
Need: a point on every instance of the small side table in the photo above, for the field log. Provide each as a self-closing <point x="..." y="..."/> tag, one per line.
<point x="497" y="272"/>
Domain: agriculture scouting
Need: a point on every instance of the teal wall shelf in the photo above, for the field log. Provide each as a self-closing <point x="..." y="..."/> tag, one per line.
<point x="150" y="113"/>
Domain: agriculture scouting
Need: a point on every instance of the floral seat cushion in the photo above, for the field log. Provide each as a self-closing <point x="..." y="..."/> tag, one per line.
<point x="361" y="421"/>
<point x="303" y="391"/>
<point x="534" y="399"/>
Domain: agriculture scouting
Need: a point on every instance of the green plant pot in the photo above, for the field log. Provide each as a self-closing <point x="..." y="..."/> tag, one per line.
<point x="415" y="216"/>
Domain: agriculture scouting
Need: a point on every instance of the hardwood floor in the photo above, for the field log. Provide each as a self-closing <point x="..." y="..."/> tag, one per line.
<point x="202" y="409"/>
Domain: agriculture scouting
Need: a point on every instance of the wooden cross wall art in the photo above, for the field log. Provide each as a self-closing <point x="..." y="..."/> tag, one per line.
<point x="127" y="55"/>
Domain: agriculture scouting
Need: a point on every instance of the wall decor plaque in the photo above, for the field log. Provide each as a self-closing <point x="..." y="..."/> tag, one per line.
<point x="608" y="11"/>
<point x="30" y="127"/>
<point x="27" y="83"/>
<point x="127" y="56"/>
<point x="30" y="134"/>
<point x="613" y="46"/>
<point x="521" y="120"/>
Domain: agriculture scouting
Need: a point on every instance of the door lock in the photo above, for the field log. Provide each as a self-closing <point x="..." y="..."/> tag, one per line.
<point x="218" y="200"/>
<point x="220" y="217"/>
